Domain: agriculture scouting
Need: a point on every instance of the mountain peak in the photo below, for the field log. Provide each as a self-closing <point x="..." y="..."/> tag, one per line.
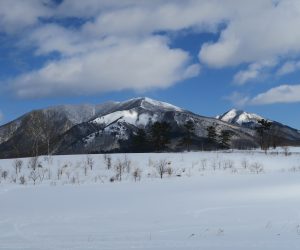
<point x="149" y="104"/>
<point x="240" y="117"/>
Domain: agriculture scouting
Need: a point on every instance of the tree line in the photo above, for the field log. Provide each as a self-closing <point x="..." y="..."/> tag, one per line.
<point x="159" y="135"/>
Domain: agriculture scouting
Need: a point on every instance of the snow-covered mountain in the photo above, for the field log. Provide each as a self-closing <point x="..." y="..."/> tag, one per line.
<point x="112" y="131"/>
<point x="240" y="117"/>
<point x="110" y="127"/>
<point x="251" y="120"/>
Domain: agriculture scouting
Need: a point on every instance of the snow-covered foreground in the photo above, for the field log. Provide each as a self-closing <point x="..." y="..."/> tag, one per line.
<point x="206" y="202"/>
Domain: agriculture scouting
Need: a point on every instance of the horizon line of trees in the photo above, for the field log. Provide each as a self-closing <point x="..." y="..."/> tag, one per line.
<point x="159" y="135"/>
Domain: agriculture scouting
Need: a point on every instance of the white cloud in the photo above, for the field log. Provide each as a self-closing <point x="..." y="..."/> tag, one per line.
<point x="254" y="71"/>
<point x="288" y="67"/>
<point x="140" y="65"/>
<point x="116" y="48"/>
<point x="19" y="14"/>
<point x="280" y="94"/>
<point x="258" y="30"/>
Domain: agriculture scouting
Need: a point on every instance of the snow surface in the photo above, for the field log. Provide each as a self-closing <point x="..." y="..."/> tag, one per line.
<point x="216" y="203"/>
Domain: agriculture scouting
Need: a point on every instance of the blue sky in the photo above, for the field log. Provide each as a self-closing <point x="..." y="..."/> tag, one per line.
<point x="205" y="56"/>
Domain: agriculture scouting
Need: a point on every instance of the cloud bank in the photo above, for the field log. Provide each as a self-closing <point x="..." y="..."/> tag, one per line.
<point x="126" y="44"/>
<point x="280" y="94"/>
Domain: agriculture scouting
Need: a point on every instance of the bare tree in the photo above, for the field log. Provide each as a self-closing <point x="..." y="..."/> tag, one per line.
<point x="286" y="150"/>
<point x="85" y="168"/>
<point x="34" y="176"/>
<point x="107" y="160"/>
<point x="257" y="168"/>
<point x="161" y="167"/>
<point x="245" y="163"/>
<point x="48" y="129"/>
<point x="33" y="162"/>
<point x="90" y="161"/>
<point x="37" y="171"/>
<point x="119" y="168"/>
<point x="204" y="164"/>
<point x="17" y="164"/>
<point x="127" y="164"/>
<point x="36" y="132"/>
<point x="41" y="173"/>
<point x="4" y="174"/>
<point x="22" y="180"/>
<point x="137" y="173"/>
<point x="169" y="171"/>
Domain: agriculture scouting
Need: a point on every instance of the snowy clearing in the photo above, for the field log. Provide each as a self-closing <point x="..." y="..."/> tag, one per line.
<point x="205" y="200"/>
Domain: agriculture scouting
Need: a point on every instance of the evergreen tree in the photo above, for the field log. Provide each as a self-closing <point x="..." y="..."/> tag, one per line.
<point x="160" y="132"/>
<point x="189" y="127"/>
<point x="262" y="132"/>
<point x="225" y="138"/>
<point x="212" y="134"/>
<point x="139" y="141"/>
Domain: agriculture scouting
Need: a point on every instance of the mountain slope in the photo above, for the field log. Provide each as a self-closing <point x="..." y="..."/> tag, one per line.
<point x="35" y="129"/>
<point x="240" y="117"/>
<point x="283" y="133"/>
<point x="113" y="131"/>
<point x="110" y="127"/>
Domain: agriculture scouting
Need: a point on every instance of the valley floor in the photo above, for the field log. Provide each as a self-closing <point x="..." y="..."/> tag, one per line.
<point x="208" y="200"/>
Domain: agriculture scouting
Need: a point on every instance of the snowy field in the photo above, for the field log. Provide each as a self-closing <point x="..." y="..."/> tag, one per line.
<point x="205" y="200"/>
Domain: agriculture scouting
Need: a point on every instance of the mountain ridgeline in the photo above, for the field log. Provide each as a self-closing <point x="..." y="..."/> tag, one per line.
<point x="136" y="125"/>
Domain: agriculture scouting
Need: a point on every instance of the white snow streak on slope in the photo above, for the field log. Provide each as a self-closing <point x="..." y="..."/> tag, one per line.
<point x="163" y="105"/>
<point x="128" y="116"/>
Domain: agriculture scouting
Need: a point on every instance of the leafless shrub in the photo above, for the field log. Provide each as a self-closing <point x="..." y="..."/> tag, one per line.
<point x="257" y="168"/>
<point x="73" y="180"/>
<point x="99" y="178"/>
<point x="219" y="164"/>
<point x="33" y="162"/>
<point x="68" y="174"/>
<point x="4" y="174"/>
<point x="234" y="170"/>
<point x="286" y="150"/>
<point x="119" y="168"/>
<point x="13" y="179"/>
<point x="90" y="161"/>
<point x="17" y="164"/>
<point x="49" y="174"/>
<point x="59" y="173"/>
<point x="204" y="164"/>
<point x="245" y="164"/>
<point x="127" y="164"/>
<point x="228" y="164"/>
<point x="107" y="160"/>
<point x="22" y="180"/>
<point x="34" y="175"/>
<point x="161" y="167"/>
<point x="41" y="173"/>
<point x="169" y="171"/>
<point x="85" y="168"/>
<point x="295" y="169"/>
<point x="214" y="164"/>
<point x="48" y="159"/>
<point x="137" y="173"/>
